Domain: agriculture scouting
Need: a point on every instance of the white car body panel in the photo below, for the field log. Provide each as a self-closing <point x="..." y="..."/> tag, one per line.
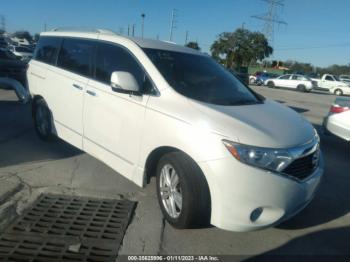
<point x="290" y="83"/>
<point x="339" y="123"/>
<point x="123" y="130"/>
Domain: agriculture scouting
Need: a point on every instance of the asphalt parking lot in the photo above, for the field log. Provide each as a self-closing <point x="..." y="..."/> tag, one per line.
<point x="29" y="167"/>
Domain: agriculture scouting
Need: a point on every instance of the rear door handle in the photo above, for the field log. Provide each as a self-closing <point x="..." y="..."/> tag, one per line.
<point x="91" y="93"/>
<point x="77" y="87"/>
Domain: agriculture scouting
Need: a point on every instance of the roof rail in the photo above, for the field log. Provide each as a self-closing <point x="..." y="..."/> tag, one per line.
<point x="80" y="29"/>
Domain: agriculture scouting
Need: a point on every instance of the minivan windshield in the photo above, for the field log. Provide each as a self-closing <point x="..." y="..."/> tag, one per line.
<point x="199" y="77"/>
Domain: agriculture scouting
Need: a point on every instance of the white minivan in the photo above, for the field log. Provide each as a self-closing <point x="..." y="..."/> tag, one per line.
<point x="220" y="152"/>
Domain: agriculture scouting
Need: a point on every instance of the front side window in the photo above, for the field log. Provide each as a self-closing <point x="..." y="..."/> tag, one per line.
<point x="329" y="78"/>
<point x="47" y="49"/>
<point x="299" y="78"/>
<point x="199" y="77"/>
<point x="76" y="56"/>
<point x="111" y="58"/>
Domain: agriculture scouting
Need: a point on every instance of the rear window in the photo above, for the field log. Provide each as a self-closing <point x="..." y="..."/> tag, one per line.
<point x="47" y="49"/>
<point x="76" y="56"/>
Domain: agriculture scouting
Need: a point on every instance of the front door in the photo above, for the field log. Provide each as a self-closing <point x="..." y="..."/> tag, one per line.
<point x="113" y="122"/>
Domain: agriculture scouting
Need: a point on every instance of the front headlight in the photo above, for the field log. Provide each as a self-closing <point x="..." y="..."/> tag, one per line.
<point x="265" y="158"/>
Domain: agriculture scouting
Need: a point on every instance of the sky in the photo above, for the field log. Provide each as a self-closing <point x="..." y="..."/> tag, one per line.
<point x="317" y="31"/>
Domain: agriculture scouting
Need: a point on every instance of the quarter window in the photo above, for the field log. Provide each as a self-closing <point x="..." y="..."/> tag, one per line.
<point x="76" y="56"/>
<point x="47" y="49"/>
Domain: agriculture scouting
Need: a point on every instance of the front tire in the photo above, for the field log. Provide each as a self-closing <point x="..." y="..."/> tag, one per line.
<point x="271" y="84"/>
<point x="183" y="192"/>
<point x="42" y="120"/>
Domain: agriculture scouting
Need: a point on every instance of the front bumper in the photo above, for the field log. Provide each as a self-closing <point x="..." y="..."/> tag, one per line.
<point x="237" y="190"/>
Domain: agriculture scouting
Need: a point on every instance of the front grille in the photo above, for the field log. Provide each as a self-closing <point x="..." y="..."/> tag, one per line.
<point x="302" y="167"/>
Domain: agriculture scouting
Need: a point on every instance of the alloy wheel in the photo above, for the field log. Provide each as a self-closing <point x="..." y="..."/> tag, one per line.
<point x="170" y="191"/>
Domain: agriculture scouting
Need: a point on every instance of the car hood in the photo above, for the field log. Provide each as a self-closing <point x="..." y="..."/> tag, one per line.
<point x="268" y="124"/>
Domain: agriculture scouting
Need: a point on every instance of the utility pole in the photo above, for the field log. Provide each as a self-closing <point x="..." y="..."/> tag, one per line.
<point x="128" y="30"/>
<point x="271" y="18"/>
<point x="2" y="23"/>
<point x="186" y="38"/>
<point x="143" y="24"/>
<point x="133" y="30"/>
<point x="172" y="24"/>
<point x="45" y="27"/>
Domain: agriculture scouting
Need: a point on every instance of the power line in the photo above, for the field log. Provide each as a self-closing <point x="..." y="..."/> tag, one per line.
<point x="271" y="18"/>
<point x="186" y="37"/>
<point x="2" y="22"/>
<point x="312" y="47"/>
<point x="142" y="24"/>
<point x="173" y="23"/>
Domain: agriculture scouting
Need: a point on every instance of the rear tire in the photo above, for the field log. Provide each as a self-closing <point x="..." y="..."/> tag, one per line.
<point x="338" y="92"/>
<point x="183" y="192"/>
<point x="301" y="88"/>
<point x="271" y="84"/>
<point x="42" y="120"/>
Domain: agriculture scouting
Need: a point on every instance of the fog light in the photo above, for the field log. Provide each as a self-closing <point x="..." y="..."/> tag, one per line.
<point x="256" y="214"/>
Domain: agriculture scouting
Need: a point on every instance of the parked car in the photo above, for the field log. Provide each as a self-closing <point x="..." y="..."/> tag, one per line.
<point x="11" y="67"/>
<point x="243" y="77"/>
<point x="12" y="75"/>
<point x="338" y="120"/>
<point x="345" y="78"/>
<point x="333" y="84"/>
<point x="219" y="151"/>
<point x="22" y="52"/>
<point x="261" y="77"/>
<point x="3" y="43"/>
<point x="293" y="81"/>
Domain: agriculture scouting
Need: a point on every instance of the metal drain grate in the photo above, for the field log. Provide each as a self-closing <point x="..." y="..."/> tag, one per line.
<point x="56" y="223"/>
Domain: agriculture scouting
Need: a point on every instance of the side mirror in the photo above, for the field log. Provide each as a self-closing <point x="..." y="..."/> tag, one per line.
<point x="124" y="82"/>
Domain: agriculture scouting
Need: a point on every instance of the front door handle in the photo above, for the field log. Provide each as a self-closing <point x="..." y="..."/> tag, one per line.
<point x="91" y="93"/>
<point x="77" y="87"/>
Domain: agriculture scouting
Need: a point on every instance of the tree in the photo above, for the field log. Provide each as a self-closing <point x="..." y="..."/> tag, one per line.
<point x="193" y="45"/>
<point x="240" y="48"/>
<point x="298" y="67"/>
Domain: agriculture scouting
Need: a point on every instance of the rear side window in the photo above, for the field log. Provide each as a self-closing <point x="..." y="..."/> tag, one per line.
<point x="76" y="56"/>
<point x="112" y="58"/>
<point x="47" y="49"/>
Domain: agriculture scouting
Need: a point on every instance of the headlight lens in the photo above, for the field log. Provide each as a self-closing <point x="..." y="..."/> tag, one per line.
<point x="266" y="158"/>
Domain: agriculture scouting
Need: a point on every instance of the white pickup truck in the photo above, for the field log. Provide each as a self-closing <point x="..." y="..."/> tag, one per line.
<point x="332" y="84"/>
